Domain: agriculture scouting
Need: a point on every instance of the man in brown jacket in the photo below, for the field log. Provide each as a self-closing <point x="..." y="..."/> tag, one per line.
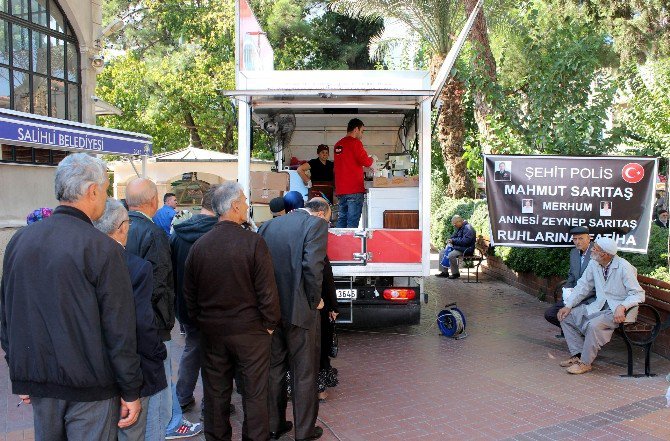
<point x="230" y="293"/>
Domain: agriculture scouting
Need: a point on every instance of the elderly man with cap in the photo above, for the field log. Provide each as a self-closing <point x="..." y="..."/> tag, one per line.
<point x="580" y="256"/>
<point x="588" y="327"/>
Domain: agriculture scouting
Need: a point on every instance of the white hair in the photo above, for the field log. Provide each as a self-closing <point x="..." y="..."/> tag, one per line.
<point x="224" y="196"/>
<point x="76" y="173"/>
<point x="115" y="213"/>
<point x="143" y="194"/>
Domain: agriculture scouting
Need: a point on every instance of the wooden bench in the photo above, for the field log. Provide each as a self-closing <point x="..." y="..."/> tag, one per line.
<point x="645" y="329"/>
<point x="652" y="318"/>
<point x="475" y="259"/>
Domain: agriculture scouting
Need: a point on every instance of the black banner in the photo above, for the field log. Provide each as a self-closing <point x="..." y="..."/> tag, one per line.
<point x="534" y="201"/>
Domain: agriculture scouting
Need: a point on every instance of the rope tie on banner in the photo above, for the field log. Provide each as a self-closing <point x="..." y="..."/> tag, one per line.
<point x="451" y="322"/>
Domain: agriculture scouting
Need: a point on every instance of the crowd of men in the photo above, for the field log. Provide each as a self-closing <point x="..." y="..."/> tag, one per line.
<point x="88" y="305"/>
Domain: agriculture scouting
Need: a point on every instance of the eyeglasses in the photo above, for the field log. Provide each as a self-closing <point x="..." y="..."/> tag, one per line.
<point x="121" y="224"/>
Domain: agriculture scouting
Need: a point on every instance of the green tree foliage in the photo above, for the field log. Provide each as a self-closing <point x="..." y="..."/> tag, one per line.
<point x="553" y="93"/>
<point x="178" y="54"/>
<point x="639" y="29"/>
<point x="644" y="120"/>
<point x="306" y="35"/>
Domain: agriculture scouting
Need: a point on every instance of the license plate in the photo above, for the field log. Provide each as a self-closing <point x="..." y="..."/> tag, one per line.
<point x="346" y="294"/>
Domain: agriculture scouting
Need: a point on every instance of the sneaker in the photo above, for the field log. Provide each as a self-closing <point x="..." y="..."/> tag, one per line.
<point x="569" y="362"/>
<point x="579" y="368"/>
<point x="186" y="429"/>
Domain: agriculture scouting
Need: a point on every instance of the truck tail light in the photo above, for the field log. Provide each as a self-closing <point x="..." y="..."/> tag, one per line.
<point x="399" y="294"/>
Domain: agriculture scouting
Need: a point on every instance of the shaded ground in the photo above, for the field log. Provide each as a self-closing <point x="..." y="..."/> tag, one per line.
<point x="502" y="382"/>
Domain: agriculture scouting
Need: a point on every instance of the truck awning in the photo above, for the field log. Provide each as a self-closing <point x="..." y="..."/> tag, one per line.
<point x="328" y="98"/>
<point x="30" y="130"/>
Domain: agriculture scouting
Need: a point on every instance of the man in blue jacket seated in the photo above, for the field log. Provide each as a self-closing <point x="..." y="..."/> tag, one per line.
<point x="462" y="243"/>
<point x="115" y="223"/>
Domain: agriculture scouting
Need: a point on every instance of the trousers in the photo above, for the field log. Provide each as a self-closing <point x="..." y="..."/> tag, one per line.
<point x="297" y="349"/>
<point x="586" y="334"/>
<point x="61" y="420"/>
<point x="221" y="354"/>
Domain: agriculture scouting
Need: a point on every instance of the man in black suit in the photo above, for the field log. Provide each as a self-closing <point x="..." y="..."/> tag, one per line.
<point x="115" y="223"/>
<point x="662" y="219"/>
<point x="580" y="256"/>
<point x="297" y="243"/>
<point x="501" y="174"/>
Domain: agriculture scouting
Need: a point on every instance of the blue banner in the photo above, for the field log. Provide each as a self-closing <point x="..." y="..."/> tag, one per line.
<point x="39" y="131"/>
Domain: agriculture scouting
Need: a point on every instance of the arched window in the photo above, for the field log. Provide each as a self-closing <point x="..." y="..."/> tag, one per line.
<point x="39" y="60"/>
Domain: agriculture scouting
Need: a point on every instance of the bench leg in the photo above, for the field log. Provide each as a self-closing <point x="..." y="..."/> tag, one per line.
<point x="629" y="349"/>
<point x="647" y="361"/>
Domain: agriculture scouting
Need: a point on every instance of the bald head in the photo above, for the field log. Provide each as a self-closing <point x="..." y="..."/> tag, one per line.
<point x="319" y="207"/>
<point x="142" y="195"/>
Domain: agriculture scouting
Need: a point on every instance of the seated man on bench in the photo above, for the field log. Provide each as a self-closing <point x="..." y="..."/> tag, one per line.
<point x="587" y="328"/>
<point x="580" y="256"/>
<point x="462" y="243"/>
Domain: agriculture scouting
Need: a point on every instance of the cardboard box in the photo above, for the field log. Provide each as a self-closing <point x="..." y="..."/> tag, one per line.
<point x="269" y="180"/>
<point x="264" y="196"/>
<point x="396" y="181"/>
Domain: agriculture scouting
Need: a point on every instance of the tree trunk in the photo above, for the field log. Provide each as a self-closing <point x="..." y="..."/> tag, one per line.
<point x="228" y="146"/>
<point x="485" y="67"/>
<point x="193" y="135"/>
<point x="451" y="134"/>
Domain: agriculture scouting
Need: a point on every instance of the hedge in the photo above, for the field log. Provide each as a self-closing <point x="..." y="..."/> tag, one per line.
<point x="544" y="262"/>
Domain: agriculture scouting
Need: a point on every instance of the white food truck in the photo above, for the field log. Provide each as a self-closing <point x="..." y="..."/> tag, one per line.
<point x="379" y="266"/>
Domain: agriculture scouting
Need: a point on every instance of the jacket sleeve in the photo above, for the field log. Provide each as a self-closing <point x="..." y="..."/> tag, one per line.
<point x="190" y="288"/>
<point x="328" y="293"/>
<point x="573" y="274"/>
<point x="4" y="340"/>
<point x="634" y="290"/>
<point x="362" y="156"/>
<point x="265" y="286"/>
<point x="117" y="316"/>
<point x="313" y="255"/>
<point x="162" y="299"/>
<point x="467" y="238"/>
<point x="149" y="343"/>
<point x="584" y="286"/>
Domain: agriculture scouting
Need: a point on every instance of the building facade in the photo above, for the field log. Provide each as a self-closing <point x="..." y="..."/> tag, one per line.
<point x="48" y="49"/>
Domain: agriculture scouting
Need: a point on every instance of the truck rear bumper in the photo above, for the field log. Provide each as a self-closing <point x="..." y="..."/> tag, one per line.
<point x="379" y="315"/>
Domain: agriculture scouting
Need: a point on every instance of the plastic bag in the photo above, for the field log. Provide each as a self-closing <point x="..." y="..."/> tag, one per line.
<point x="445" y="257"/>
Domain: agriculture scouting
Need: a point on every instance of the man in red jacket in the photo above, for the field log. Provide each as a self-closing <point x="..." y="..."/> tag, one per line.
<point x="350" y="158"/>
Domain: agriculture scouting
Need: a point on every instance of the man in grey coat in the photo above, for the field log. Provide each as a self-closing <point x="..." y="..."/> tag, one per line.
<point x="580" y="256"/>
<point x="587" y="328"/>
<point x="297" y="243"/>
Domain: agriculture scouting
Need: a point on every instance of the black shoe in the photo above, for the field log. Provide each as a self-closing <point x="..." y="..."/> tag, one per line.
<point x="318" y="432"/>
<point x="442" y="275"/>
<point x="186" y="407"/>
<point x="288" y="426"/>
<point x="454" y="276"/>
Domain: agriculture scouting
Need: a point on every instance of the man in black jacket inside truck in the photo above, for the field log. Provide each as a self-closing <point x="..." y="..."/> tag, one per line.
<point x="66" y="304"/>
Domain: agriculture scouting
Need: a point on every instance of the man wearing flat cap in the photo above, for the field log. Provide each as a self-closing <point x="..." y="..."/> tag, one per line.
<point x="587" y="328"/>
<point x="580" y="256"/>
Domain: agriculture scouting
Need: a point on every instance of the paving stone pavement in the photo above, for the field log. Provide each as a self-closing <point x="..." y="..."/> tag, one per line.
<point x="502" y="382"/>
